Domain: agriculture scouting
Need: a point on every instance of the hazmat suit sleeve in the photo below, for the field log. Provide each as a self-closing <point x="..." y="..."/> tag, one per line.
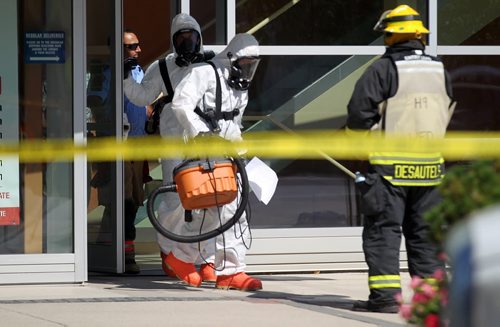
<point x="144" y="93"/>
<point x="189" y="94"/>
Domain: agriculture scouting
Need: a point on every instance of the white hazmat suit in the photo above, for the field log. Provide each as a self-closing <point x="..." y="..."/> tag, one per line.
<point x="170" y="209"/>
<point x="198" y="89"/>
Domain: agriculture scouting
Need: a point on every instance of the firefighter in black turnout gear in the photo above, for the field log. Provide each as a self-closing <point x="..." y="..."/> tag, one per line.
<point x="405" y="92"/>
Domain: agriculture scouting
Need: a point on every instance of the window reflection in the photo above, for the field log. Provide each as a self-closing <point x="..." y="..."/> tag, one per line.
<point x="476" y="87"/>
<point x="463" y="22"/>
<point x="211" y="15"/>
<point x="280" y="78"/>
<point x="305" y="92"/>
<point x="310" y="193"/>
<point x="315" y="22"/>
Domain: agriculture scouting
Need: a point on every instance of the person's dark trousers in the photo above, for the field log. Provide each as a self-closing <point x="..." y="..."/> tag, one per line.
<point x="130" y="212"/>
<point x="131" y="266"/>
<point x="404" y="208"/>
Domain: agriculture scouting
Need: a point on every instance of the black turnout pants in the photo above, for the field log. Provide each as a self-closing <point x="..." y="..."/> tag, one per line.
<point x="402" y="210"/>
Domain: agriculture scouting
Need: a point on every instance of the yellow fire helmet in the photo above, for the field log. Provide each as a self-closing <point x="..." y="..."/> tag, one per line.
<point x="402" y="19"/>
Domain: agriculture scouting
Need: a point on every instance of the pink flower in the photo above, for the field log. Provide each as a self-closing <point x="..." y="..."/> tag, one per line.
<point x="439" y="274"/>
<point x="420" y="298"/>
<point x="430" y="296"/>
<point x="431" y="320"/>
<point x="416" y="282"/>
<point x="405" y="311"/>
<point x="428" y="290"/>
<point x="399" y="298"/>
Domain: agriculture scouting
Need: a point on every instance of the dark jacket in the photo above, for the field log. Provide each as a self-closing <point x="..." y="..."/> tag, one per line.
<point x="378" y="83"/>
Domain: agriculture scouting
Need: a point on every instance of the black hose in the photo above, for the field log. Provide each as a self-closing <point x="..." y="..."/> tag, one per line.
<point x="245" y="190"/>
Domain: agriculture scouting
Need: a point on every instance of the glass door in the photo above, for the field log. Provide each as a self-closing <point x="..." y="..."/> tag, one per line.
<point x="103" y="118"/>
<point x="39" y="217"/>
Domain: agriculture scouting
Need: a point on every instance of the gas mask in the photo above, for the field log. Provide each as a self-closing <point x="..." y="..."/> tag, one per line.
<point x="187" y="46"/>
<point x="242" y="71"/>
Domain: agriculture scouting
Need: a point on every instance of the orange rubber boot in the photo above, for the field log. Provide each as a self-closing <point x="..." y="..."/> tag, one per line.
<point x="169" y="272"/>
<point x="239" y="281"/>
<point x="207" y="273"/>
<point x="183" y="270"/>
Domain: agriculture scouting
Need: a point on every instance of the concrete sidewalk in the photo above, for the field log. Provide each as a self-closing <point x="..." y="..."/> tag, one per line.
<point x="154" y="300"/>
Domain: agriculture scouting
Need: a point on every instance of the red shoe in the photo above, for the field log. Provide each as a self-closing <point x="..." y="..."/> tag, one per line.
<point x="183" y="270"/>
<point x="169" y="272"/>
<point x="207" y="273"/>
<point x="239" y="281"/>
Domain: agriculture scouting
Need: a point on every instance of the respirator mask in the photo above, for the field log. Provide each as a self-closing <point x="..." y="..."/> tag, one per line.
<point x="187" y="44"/>
<point x="242" y="71"/>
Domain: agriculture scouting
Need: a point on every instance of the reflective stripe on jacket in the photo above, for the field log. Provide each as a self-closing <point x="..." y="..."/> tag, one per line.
<point x="409" y="169"/>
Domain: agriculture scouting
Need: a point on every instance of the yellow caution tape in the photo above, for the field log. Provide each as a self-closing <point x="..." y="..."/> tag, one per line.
<point x="305" y="145"/>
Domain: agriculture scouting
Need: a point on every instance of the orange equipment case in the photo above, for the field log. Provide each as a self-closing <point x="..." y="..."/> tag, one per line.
<point x="206" y="183"/>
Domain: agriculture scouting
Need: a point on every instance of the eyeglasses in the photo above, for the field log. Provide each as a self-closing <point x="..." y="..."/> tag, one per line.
<point x="132" y="46"/>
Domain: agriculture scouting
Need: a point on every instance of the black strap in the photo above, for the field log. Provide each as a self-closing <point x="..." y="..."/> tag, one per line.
<point x="218" y="91"/>
<point x="401" y="18"/>
<point x="210" y="114"/>
<point x="213" y="116"/>
<point x="154" y="121"/>
<point x="166" y="79"/>
<point x="229" y="115"/>
<point x="188" y="216"/>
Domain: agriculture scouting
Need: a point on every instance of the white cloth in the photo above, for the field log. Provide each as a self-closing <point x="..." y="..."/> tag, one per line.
<point x="262" y="179"/>
<point x="197" y="89"/>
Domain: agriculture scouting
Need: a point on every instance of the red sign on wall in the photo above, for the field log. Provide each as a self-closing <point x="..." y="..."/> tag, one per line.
<point x="9" y="216"/>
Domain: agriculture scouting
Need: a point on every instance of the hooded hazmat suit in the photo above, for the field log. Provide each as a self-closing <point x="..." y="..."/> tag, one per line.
<point x="198" y="89"/>
<point x="170" y="211"/>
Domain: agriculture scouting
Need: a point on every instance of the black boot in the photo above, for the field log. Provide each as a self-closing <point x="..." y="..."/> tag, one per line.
<point x="367" y="306"/>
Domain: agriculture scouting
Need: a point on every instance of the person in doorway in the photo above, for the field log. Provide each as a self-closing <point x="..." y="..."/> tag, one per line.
<point x="194" y="98"/>
<point x="162" y="78"/>
<point x="100" y="101"/>
<point x="405" y="92"/>
<point x="134" y="171"/>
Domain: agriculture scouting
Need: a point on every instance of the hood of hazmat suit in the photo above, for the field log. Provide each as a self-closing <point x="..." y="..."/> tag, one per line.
<point x="241" y="58"/>
<point x="186" y="40"/>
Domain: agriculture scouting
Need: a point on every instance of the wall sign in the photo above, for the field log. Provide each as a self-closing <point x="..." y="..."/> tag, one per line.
<point x="9" y="191"/>
<point x="44" y="47"/>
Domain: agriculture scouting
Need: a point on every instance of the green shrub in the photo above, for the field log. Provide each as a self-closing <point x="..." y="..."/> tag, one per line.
<point x="465" y="189"/>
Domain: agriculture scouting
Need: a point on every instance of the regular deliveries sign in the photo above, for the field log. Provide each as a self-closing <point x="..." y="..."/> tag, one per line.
<point x="9" y="114"/>
<point x="44" y="47"/>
